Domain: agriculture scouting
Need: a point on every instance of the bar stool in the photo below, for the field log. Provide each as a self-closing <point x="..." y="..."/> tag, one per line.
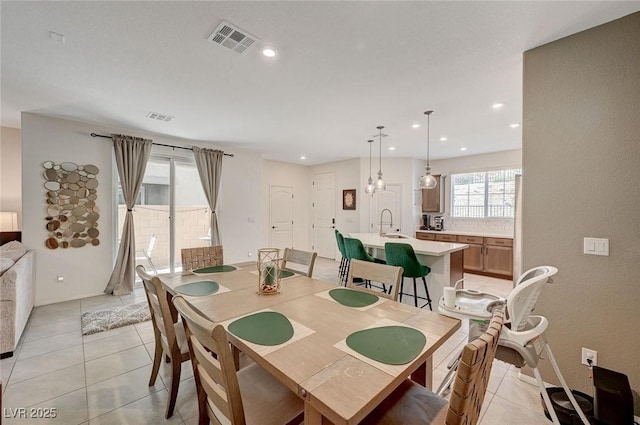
<point x="356" y="251"/>
<point x="403" y="255"/>
<point x="344" y="262"/>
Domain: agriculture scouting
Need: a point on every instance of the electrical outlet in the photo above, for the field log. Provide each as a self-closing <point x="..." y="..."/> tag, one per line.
<point x="589" y="355"/>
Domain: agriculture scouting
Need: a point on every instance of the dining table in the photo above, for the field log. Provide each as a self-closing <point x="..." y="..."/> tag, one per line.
<point x="338" y="382"/>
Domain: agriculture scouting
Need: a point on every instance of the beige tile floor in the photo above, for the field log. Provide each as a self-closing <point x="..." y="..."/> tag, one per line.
<point x="102" y="378"/>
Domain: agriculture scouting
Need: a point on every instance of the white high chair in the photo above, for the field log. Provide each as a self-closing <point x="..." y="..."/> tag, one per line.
<point x="522" y="339"/>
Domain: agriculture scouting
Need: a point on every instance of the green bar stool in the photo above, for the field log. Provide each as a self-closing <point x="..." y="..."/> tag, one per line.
<point x="355" y="250"/>
<point x="344" y="262"/>
<point x="403" y="255"/>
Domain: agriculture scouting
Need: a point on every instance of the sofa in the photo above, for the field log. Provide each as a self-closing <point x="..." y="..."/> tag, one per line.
<point x="17" y="293"/>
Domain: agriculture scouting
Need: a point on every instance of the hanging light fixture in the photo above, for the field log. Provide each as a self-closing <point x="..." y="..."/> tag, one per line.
<point x="428" y="181"/>
<point x="370" y="188"/>
<point x="380" y="184"/>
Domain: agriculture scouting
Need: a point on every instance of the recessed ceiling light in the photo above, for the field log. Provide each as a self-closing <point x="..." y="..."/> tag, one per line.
<point x="269" y="51"/>
<point x="443" y="139"/>
<point x="392" y="148"/>
<point x="303" y="157"/>
<point x="415" y="126"/>
<point x="497" y="105"/>
<point x="514" y="125"/>
<point x="463" y="149"/>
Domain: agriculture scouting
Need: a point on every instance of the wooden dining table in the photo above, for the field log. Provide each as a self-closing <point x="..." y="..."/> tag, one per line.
<point x="336" y="384"/>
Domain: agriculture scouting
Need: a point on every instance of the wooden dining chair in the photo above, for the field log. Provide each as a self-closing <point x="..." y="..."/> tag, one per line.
<point x="197" y="258"/>
<point x="247" y="397"/>
<point x="169" y="335"/>
<point x="375" y="272"/>
<point x="302" y="258"/>
<point x="411" y="403"/>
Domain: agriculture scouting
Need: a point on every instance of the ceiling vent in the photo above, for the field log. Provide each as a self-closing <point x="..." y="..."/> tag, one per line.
<point x="160" y="117"/>
<point x="232" y="38"/>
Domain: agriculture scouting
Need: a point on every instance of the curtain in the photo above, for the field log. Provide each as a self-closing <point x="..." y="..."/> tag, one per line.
<point x="209" y="163"/>
<point x="132" y="154"/>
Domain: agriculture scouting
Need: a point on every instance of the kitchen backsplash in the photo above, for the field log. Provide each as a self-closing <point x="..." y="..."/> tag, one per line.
<point x="497" y="226"/>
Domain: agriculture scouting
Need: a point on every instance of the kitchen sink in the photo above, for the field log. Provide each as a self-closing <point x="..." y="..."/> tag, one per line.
<point x="394" y="236"/>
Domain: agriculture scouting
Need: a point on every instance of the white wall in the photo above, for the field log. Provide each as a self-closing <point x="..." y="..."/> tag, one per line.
<point x="485" y="162"/>
<point x="275" y="173"/>
<point x="11" y="172"/>
<point x="87" y="270"/>
<point x="347" y="177"/>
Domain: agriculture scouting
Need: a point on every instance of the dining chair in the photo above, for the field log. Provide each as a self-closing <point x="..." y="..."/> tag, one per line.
<point x="344" y="261"/>
<point x="169" y="335"/>
<point x="145" y="255"/>
<point x="356" y="251"/>
<point x="403" y="255"/>
<point x="297" y="257"/>
<point x="413" y="404"/>
<point x="205" y="256"/>
<point x="375" y="272"/>
<point x="246" y="397"/>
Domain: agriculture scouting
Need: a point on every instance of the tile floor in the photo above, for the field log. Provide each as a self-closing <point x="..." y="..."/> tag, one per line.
<point x="102" y="378"/>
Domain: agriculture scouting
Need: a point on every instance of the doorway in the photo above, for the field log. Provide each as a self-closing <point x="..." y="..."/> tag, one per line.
<point x="170" y="213"/>
<point x="281" y="217"/>
<point x="324" y="214"/>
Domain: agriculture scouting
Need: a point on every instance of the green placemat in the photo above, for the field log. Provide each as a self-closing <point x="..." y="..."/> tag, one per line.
<point x="264" y="328"/>
<point x="285" y="273"/>
<point x="352" y="298"/>
<point x="203" y="287"/>
<point x="215" y="269"/>
<point x="394" y="345"/>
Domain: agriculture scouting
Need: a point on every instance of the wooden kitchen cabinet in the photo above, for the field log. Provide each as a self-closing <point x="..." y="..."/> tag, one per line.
<point x="474" y="255"/>
<point x="486" y="256"/>
<point x="446" y="238"/>
<point x="498" y="258"/>
<point x="433" y="199"/>
<point x="425" y="236"/>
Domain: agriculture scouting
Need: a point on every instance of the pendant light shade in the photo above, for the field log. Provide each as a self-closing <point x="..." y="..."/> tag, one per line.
<point x="370" y="188"/>
<point x="427" y="181"/>
<point x="380" y="183"/>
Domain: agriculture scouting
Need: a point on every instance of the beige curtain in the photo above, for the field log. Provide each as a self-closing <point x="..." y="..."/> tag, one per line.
<point x="209" y="163"/>
<point x="132" y="154"/>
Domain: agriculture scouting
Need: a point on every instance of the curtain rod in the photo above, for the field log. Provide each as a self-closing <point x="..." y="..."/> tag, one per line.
<point x="160" y="144"/>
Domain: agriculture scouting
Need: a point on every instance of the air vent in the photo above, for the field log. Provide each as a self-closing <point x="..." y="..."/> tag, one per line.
<point x="160" y="117"/>
<point x="232" y="38"/>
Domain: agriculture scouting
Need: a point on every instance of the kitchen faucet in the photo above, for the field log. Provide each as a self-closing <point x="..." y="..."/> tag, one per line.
<point x="390" y="219"/>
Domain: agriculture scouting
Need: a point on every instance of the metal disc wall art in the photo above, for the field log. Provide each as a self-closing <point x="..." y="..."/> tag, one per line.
<point x="72" y="213"/>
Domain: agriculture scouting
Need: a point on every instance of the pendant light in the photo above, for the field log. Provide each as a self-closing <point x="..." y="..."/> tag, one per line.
<point x="370" y="187"/>
<point x="428" y="181"/>
<point x="380" y="184"/>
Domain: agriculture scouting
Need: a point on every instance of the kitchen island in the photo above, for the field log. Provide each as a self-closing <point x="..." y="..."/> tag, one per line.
<point x="444" y="258"/>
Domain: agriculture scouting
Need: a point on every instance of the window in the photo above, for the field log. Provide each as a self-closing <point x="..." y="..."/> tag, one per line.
<point x="487" y="194"/>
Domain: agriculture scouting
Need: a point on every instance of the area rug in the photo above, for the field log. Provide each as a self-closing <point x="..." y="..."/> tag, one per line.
<point x="116" y="317"/>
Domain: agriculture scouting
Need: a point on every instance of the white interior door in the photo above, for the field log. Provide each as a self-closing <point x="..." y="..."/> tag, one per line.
<point x="324" y="213"/>
<point x="390" y="199"/>
<point x="281" y="217"/>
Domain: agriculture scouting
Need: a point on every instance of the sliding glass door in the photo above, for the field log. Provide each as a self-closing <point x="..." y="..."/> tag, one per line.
<point x="171" y="213"/>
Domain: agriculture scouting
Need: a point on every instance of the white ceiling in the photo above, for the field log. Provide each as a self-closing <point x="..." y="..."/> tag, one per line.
<point x="343" y="68"/>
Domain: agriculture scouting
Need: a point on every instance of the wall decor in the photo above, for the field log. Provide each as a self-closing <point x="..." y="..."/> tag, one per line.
<point x="349" y="199"/>
<point x="72" y="214"/>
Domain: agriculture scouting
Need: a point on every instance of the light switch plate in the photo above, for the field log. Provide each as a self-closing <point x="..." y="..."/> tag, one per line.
<point x="596" y="246"/>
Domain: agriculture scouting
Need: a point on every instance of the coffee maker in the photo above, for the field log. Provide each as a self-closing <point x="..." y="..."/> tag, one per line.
<point x="426" y="222"/>
<point x="439" y="223"/>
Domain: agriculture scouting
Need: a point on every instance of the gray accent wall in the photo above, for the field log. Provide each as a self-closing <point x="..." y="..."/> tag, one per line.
<point x="581" y="166"/>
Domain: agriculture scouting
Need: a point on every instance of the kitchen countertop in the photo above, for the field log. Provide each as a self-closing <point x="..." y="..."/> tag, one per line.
<point x="436" y="249"/>
<point x="462" y="233"/>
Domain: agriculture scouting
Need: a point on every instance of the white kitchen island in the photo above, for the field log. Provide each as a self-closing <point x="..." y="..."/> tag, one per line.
<point x="444" y="258"/>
